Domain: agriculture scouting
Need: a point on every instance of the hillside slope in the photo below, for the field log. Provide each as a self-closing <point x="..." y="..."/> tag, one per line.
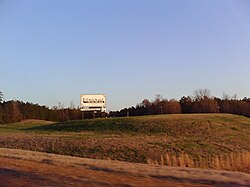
<point x="137" y="139"/>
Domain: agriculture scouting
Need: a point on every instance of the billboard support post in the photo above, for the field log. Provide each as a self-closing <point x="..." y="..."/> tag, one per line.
<point x="82" y="114"/>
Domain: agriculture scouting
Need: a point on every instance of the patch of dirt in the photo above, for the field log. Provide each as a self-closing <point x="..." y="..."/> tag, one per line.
<point x="28" y="168"/>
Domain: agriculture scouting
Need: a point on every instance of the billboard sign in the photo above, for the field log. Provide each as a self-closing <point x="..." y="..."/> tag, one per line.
<point x="93" y="102"/>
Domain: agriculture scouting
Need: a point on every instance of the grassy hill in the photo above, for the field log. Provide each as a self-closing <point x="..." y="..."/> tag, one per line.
<point x="177" y="124"/>
<point x="134" y="139"/>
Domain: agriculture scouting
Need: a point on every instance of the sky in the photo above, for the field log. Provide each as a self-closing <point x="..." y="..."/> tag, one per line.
<point x="54" y="50"/>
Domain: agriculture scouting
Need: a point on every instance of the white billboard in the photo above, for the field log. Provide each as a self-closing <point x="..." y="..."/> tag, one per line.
<point x="93" y="102"/>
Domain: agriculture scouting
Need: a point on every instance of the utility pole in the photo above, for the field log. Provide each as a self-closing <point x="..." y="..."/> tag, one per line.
<point x="161" y="109"/>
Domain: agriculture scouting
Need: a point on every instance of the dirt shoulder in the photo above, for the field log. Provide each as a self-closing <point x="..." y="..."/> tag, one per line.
<point x="29" y="168"/>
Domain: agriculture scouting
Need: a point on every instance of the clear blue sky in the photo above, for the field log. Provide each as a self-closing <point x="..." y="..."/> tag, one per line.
<point x="53" y="50"/>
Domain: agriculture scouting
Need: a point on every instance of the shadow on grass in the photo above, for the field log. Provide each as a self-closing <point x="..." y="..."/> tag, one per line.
<point x="98" y="127"/>
<point x="101" y="126"/>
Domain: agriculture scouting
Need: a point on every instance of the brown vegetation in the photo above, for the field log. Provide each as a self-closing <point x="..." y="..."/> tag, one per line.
<point x="27" y="168"/>
<point x="202" y="137"/>
<point x="230" y="161"/>
<point x="200" y="102"/>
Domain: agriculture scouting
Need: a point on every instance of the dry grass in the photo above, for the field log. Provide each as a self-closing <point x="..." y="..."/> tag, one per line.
<point x="113" y="173"/>
<point x="231" y="162"/>
<point x="134" y="139"/>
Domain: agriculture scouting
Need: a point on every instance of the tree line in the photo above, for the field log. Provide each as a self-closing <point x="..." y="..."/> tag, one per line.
<point x="15" y="111"/>
<point x="200" y="102"/>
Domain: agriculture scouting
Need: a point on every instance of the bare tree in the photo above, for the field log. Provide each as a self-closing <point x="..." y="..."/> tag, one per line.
<point x="225" y="96"/>
<point x="204" y="102"/>
<point x="1" y="97"/>
<point x="234" y="97"/>
<point x="201" y="94"/>
<point x="60" y="105"/>
<point x="158" y="99"/>
<point x="146" y="103"/>
<point x="171" y="107"/>
<point x="72" y="106"/>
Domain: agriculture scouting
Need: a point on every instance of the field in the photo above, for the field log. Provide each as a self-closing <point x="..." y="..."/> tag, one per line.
<point x="218" y="141"/>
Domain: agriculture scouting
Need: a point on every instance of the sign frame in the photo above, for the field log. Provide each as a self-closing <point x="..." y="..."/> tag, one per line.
<point x="93" y="102"/>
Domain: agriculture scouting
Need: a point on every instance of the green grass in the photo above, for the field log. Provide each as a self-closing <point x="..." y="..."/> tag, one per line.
<point x="204" y="126"/>
<point x="143" y="124"/>
<point x="22" y="126"/>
